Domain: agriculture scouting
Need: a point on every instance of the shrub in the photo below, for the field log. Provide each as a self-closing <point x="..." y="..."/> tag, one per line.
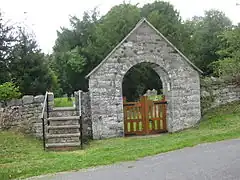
<point x="229" y="69"/>
<point x="9" y="91"/>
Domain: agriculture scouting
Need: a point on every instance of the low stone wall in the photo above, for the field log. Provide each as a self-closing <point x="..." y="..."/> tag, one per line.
<point x="22" y="115"/>
<point x="216" y="92"/>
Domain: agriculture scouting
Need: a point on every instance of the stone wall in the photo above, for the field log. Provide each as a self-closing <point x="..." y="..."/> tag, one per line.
<point x="216" y="92"/>
<point x="86" y="114"/>
<point x="22" y="115"/>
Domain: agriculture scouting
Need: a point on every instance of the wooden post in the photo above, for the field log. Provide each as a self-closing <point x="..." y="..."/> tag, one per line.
<point x="164" y="114"/>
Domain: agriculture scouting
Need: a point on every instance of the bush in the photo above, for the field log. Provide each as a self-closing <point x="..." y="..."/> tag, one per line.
<point x="9" y="91"/>
<point x="228" y="69"/>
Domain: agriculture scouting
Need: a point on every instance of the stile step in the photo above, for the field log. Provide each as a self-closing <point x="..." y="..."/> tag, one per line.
<point x="63" y="118"/>
<point x="53" y="145"/>
<point x="57" y="109"/>
<point x="49" y="136"/>
<point x="64" y="127"/>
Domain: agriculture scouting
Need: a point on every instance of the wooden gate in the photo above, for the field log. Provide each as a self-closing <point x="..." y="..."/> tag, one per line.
<point x="145" y="117"/>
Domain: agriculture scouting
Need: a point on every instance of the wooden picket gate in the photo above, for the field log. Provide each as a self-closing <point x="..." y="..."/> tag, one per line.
<point x="145" y="116"/>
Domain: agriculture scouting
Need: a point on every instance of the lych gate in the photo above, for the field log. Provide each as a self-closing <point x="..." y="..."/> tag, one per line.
<point x="180" y="79"/>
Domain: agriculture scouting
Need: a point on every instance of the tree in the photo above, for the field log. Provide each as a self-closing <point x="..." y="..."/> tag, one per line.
<point x="228" y="66"/>
<point x="205" y="41"/>
<point x="7" y="40"/>
<point x="110" y="30"/>
<point x="73" y="55"/>
<point x="165" y="19"/>
<point x="69" y="67"/>
<point x="29" y="69"/>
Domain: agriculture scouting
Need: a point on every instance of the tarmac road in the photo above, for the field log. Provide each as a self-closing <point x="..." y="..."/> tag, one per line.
<point x="215" y="161"/>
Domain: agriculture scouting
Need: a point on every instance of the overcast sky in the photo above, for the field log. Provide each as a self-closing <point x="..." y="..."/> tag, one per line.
<point x="44" y="17"/>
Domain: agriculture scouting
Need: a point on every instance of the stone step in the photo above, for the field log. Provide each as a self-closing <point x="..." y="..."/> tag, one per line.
<point x="55" y="145"/>
<point x="64" y="127"/>
<point x="57" y="109"/>
<point x="63" y="118"/>
<point x="63" y="131"/>
<point x="49" y="136"/>
<point x="63" y="140"/>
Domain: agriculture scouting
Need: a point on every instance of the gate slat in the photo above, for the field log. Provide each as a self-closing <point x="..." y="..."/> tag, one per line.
<point x="159" y="112"/>
<point x="164" y="117"/>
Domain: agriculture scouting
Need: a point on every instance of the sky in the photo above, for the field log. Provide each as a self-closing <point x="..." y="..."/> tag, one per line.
<point x="45" y="17"/>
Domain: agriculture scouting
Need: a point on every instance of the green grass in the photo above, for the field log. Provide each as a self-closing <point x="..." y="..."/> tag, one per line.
<point x="63" y="102"/>
<point x="22" y="156"/>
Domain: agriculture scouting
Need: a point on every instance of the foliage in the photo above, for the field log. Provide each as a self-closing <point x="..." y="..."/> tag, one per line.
<point x="229" y="69"/>
<point x="165" y="18"/>
<point x="9" y="91"/>
<point x="22" y="156"/>
<point x="228" y="66"/>
<point x="69" y="67"/>
<point x="28" y="67"/>
<point x="7" y="40"/>
<point x="204" y="36"/>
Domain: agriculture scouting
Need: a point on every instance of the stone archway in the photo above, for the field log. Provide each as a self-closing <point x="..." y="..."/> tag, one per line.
<point x="180" y="78"/>
<point x="164" y="77"/>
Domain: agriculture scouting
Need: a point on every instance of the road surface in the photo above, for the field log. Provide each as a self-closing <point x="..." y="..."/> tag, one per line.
<point x="215" y="161"/>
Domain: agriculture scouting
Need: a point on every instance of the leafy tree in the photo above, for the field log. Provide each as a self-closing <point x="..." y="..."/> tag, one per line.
<point x="228" y="67"/>
<point x="111" y="29"/>
<point x="69" y="67"/>
<point x="72" y="53"/>
<point x="164" y="18"/>
<point x="204" y="37"/>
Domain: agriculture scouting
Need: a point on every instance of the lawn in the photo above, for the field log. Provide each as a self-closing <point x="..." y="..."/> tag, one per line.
<point x="22" y="156"/>
<point x="63" y="102"/>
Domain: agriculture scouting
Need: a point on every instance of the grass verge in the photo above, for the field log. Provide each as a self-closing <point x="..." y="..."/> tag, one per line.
<point x="63" y="102"/>
<point x="22" y="156"/>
